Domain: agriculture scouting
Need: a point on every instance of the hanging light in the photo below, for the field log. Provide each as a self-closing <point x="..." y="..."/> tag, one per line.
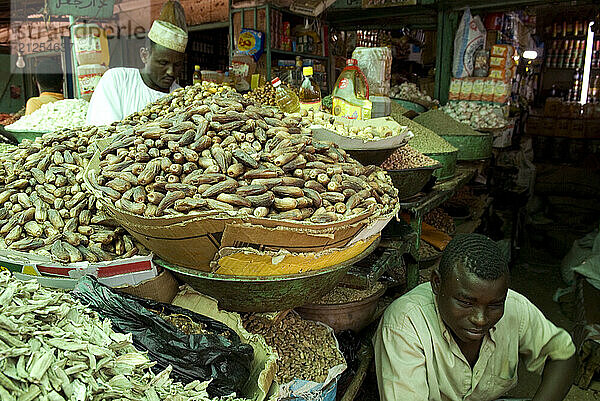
<point x="20" y="61"/>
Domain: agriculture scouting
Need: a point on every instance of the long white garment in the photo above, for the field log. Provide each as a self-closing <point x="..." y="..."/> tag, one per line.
<point x="120" y="92"/>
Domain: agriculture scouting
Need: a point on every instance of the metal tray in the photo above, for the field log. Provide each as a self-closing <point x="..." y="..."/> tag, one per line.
<point x="267" y="293"/>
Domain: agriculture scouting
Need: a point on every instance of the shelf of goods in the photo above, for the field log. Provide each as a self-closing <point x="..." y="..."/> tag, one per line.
<point x="268" y="18"/>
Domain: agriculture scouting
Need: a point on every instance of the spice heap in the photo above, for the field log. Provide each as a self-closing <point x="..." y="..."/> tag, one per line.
<point x="306" y="350"/>
<point x="7" y="119"/>
<point x="406" y="157"/>
<point x="409" y="91"/>
<point x="56" y="349"/>
<point x="343" y="295"/>
<point x="427" y="251"/>
<point x="265" y="94"/>
<point x="214" y="150"/>
<point x="187" y="325"/>
<point x="68" y="113"/>
<point x="478" y="116"/>
<point x="442" y="124"/>
<point x="44" y="208"/>
<point x="441" y="220"/>
<point x="397" y="110"/>
<point x="425" y="140"/>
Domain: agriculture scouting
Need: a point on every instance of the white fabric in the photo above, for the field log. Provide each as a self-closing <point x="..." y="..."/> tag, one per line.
<point x="120" y="92"/>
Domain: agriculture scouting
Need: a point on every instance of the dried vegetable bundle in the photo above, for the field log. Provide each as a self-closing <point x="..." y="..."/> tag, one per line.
<point x="53" y="348"/>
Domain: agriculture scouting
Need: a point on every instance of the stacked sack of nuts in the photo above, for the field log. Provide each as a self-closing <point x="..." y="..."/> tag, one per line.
<point x="306" y="350"/>
<point x="202" y="148"/>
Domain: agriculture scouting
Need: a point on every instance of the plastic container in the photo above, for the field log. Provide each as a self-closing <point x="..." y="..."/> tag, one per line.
<point x="351" y="93"/>
<point x="287" y="101"/>
<point x="310" y="93"/>
<point x="91" y="44"/>
<point x="212" y="76"/>
<point x="382" y="106"/>
<point x="89" y="75"/>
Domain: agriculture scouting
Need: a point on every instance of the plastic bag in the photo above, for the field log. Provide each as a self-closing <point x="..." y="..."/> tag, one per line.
<point x="376" y="64"/>
<point x="470" y="37"/>
<point x="224" y="360"/>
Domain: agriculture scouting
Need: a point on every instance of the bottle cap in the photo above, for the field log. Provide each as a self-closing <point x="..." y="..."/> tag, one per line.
<point x="197" y="67"/>
<point x="307" y="71"/>
<point x="276" y="82"/>
<point x="351" y="61"/>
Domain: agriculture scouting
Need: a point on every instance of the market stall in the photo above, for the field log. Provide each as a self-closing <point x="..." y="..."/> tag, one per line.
<point x="242" y="236"/>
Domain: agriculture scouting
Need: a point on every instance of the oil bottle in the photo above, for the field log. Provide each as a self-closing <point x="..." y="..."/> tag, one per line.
<point x="286" y="99"/>
<point x="351" y="93"/>
<point x="310" y="93"/>
<point x="197" y="76"/>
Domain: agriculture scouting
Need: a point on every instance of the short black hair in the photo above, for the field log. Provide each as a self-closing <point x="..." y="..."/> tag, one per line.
<point x="477" y="253"/>
<point x="49" y="75"/>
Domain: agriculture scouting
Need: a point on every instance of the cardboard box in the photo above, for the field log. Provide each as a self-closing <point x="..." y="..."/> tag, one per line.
<point x="117" y="273"/>
<point x="592" y="129"/>
<point x="563" y="127"/>
<point x="162" y="288"/>
<point x="192" y="240"/>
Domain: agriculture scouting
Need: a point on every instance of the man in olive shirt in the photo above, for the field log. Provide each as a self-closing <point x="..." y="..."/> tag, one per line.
<point x="460" y="336"/>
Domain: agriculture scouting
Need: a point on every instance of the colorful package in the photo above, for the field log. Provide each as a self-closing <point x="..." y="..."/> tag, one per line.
<point x="455" y="85"/>
<point x="477" y="92"/>
<point x="251" y="43"/>
<point x="489" y="87"/>
<point x="466" y="89"/>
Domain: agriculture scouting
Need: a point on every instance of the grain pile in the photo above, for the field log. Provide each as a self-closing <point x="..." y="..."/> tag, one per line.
<point x="427" y="251"/>
<point x="44" y="207"/>
<point x="202" y="148"/>
<point x="343" y="126"/>
<point x="405" y="158"/>
<point x="442" y="124"/>
<point x="53" y="348"/>
<point x="425" y="140"/>
<point x="306" y="350"/>
<point x="343" y="295"/>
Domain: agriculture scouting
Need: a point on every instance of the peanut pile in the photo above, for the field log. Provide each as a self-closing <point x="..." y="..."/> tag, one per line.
<point x="405" y="158"/>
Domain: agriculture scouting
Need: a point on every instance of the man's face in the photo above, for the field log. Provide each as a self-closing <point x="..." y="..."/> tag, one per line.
<point x="162" y="65"/>
<point x="469" y="305"/>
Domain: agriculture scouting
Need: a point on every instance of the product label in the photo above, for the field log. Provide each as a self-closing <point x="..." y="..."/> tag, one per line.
<point x="88" y="82"/>
<point x="314" y="106"/>
<point x="344" y="109"/>
<point x="344" y="82"/>
<point x="88" y="44"/>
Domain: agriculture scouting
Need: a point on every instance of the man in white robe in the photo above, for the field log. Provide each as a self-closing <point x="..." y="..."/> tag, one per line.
<point x="124" y="91"/>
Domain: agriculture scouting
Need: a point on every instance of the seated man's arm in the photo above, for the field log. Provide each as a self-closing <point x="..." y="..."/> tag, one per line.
<point x="543" y="346"/>
<point x="400" y="365"/>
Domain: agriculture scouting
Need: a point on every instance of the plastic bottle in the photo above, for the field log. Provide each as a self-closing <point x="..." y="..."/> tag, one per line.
<point x="197" y="77"/>
<point x="351" y="93"/>
<point x="310" y="93"/>
<point x="287" y="101"/>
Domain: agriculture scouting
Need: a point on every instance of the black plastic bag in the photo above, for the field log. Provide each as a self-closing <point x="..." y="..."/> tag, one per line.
<point x="203" y="357"/>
